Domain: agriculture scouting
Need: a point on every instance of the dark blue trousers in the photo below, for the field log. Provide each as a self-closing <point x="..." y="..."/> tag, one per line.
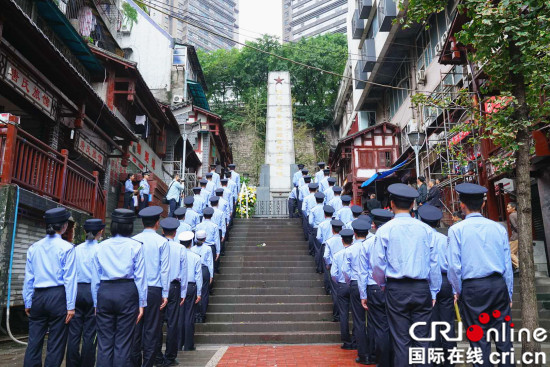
<point x="444" y="310"/>
<point x="312" y="233"/>
<point x="117" y="310"/>
<point x="174" y="204"/>
<point x="147" y="330"/>
<point x="407" y="301"/>
<point x="359" y="320"/>
<point x="305" y="225"/>
<point x="334" y="294"/>
<point x="48" y="313"/>
<point x="326" y="273"/>
<point x="292" y="207"/>
<point x="170" y="314"/>
<point x="205" y="293"/>
<point x="343" y="292"/>
<point x="82" y="328"/>
<point x="187" y="319"/>
<point x="378" y="331"/>
<point x="486" y="295"/>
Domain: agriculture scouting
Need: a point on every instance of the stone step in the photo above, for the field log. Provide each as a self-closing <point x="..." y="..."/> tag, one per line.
<point x="267" y="337"/>
<point x="275" y="270"/>
<point x="269" y="298"/>
<point x="269" y="316"/>
<point x="273" y="326"/>
<point x="229" y="256"/>
<point x="214" y="306"/>
<point x="269" y="263"/>
<point x="267" y="276"/>
<point x="273" y="236"/>
<point x="288" y="290"/>
<point x="282" y="245"/>
<point x="272" y="250"/>
<point x="300" y="284"/>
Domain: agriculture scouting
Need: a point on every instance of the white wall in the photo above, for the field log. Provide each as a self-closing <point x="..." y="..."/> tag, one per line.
<point x="152" y="49"/>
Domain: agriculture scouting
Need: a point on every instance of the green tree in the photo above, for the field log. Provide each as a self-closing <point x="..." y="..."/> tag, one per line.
<point x="510" y="39"/>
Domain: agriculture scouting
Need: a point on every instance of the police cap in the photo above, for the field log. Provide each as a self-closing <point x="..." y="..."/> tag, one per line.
<point x="313" y="186"/>
<point x="231" y="165"/>
<point x="321" y="164"/>
<point x="307" y="179"/>
<point x="326" y="171"/>
<point x="346" y="233"/>
<point x="331" y="180"/>
<point x="208" y="211"/>
<point x="470" y="191"/>
<point x="356" y="209"/>
<point x="197" y="189"/>
<point x="346" y="198"/>
<point x="336" y="223"/>
<point x="328" y="209"/>
<point x="169" y="224"/>
<point x="209" y="175"/>
<point x="224" y="181"/>
<point x="402" y="191"/>
<point x="189" y="200"/>
<point x="203" y="181"/>
<point x="93" y="224"/>
<point x="219" y="192"/>
<point x="151" y="212"/>
<point x="124" y="216"/>
<point x="381" y="215"/>
<point x="181" y="211"/>
<point x="337" y="189"/>
<point x="57" y="215"/>
<point x="319" y="195"/>
<point x="214" y="200"/>
<point x="301" y="165"/>
<point x="429" y="213"/>
<point x="360" y="225"/>
<point x="305" y="171"/>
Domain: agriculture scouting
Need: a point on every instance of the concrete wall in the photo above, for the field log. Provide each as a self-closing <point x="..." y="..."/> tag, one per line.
<point x="246" y="154"/>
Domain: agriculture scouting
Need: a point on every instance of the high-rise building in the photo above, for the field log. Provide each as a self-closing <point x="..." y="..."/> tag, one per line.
<point x="218" y="16"/>
<point x="308" y="18"/>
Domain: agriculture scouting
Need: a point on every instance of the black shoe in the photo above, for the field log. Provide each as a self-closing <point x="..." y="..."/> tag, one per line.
<point x="364" y="360"/>
<point x="347" y="347"/>
<point x="171" y="363"/>
<point x="190" y="349"/>
<point x="159" y="362"/>
<point x="335" y="319"/>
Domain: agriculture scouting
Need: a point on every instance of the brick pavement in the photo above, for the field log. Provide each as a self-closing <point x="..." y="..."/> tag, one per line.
<point x="283" y="356"/>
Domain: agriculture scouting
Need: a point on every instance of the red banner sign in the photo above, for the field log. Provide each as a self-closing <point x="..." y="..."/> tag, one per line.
<point x="90" y="151"/>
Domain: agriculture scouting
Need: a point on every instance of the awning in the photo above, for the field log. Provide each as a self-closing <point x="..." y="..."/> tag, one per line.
<point x="380" y="175"/>
<point x="66" y="32"/>
<point x="199" y="98"/>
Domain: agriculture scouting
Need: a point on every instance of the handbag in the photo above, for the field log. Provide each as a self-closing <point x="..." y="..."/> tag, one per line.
<point x="164" y="199"/>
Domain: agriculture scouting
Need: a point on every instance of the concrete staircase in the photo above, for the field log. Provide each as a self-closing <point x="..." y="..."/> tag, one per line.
<point x="268" y="294"/>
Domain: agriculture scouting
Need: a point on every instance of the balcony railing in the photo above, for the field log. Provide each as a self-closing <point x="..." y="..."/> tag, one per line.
<point x="365" y="7"/>
<point x="33" y="165"/>
<point x="357" y="25"/>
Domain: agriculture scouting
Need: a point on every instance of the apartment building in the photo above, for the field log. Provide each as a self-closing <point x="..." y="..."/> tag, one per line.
<point x="309" y="18"/>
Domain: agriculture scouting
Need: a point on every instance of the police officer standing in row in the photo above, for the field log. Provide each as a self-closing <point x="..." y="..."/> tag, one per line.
<point x="82" y="327"/>
<point x="207" y="267"/>
<point x="119" y="290"/>
<point x="480" y="270"/>
<point x="156" y="253"/>
<point x="404" y="262"/>
<point x="49" y="291"/>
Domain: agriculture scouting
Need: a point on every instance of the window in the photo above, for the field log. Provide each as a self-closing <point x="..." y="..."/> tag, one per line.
<point x="366" y="159"/>
<point x="398" y="96"/>
<point x="366" y="119"/>
<point x="384" y="159"/>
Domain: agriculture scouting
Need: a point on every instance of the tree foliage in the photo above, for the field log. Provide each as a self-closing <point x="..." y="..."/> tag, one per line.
<point x="237" y="79"/>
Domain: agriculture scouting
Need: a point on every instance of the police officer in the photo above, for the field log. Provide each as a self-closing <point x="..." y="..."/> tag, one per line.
<point x="210" y="185"/>
<point x="342" y="290"/>
<point x="179" y="213"/>
<point x="332" y="245"/>
<point x="316" y="216"/>
<point x="444" y="306"/>
<point x="187" y="311"/>
<point x="228" y="196"/>
<point x="480" y="269"/>
<point x="307" y="205"/>
<point x="303" y="192"/>
<point x="223" y="205"/>
<point x="50" y="290"/>
<point x="174" y="194"/>
<point x="119" y="290"/>
<point x="302" y="180"/>
<point x="219" y="219"/>
<point x="198" y="200"/>
<point x="129" y="192"/>
<point x="323" y="183"/>
<point x="324" y="232"/>
<point x="329" y="192"/>
<point x="336" y="201"/>
<point x="205" y="193"/>
<point x="144" y="191"/>
<point x="192" y="217"/>
<point x="320" y="174"/>
<point x="177" y="275"/>
<point x="156" y="253"/>
<point x="356" y="211"/>
<point x="232" y="186"/>
<point x="207" y="266"/>
<point x="297" y="175"/>
<point x="215" y="176"/>
<point x="373" y="298"/>
<point x="404" y="261"/>
<point x="292" y="203"/>
<point x="82" y="327"/>
<point x="235" y="177"/>
<point x="344" y="213"/>
<point x="353" y="272"/>
<point x="212" y="236"/>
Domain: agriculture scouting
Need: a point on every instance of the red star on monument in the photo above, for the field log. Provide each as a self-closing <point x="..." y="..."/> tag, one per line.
<point x="279" y="80"/>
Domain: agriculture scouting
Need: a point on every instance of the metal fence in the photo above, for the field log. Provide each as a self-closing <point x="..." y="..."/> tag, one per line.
<point x="271" y="209"/>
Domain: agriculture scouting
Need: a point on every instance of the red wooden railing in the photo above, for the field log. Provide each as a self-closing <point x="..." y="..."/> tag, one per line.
<point x="33" y="165"/>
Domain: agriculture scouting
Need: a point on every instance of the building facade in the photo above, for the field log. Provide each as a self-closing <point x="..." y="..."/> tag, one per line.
<point x="309" y="18"/>
<point x="218" y="16"/>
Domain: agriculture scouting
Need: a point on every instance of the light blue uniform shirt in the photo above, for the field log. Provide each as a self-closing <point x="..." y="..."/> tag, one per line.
<point x="237" y="179"/>
<point x="478" y="247"/>
<point x="85" y="253"/>
<point x="192" y="218"/>
<point x="404" y="248"/>
<point x="216" y="179"/>
<point x="365" y="276"/>
<point x="292" y="194"/>
<point x="336" y="203"/>
<point x="351" y="266"/>
<point x="329" y="195"/>
<point x="232" y="186"/>
<point x="174" y="192"/>
<point x="303" y="192"/>
<point x="319" y="175"/>
<point x="223" y="205"/>
<point x="178" y="265"/>
<point x="296" y="178"/>
<point x="324" y="230"/>
<point x="205" y="195"/>
<point x="344" y="214"/>
<point x="156" y="254"/>
<point x="228" y="196"/>
<point x="206" y="258"/>
<point x="146" y="189"/>
<point x="120" y="258"/>
<point x="317" y="215"/>
<point x="440" y="243"/>
<point x="348" y="224"/>
<point x="336" y="268"/>
<point x="323" y="184"/>
<point x="212" y="234"/>
<point x="50" y="263"/>
<point x="194" y="271"/>
<point x="183" y="228"/>
<point x="128" y="186"/>
<point x="309" y="203"/>
<point x="219" y="218"/>
<point x="211" y="186"/>
<point x="333" y="245"/>
<point x="198" y="204"/>
<point x="301" y="181"/>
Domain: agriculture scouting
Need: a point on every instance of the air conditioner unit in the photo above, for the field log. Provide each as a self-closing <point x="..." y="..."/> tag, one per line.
<point x="411" y="126"/>
<point x="438" y="48"/>
<point x="177" y="99"/>
<point x="444" y="37"/>
<point x="421" y="76"/>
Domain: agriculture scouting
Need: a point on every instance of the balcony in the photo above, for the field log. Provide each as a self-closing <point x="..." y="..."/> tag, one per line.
<point x="365" y="7"/>
<point x="369" y="55"/>
<point x="387" y="12"/>
<point x="360" y="75"/>
<point x="34" y="166"/>
<point x="357" y="25"/>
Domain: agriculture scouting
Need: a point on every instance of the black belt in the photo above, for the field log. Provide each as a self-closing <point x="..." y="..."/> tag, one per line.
<point x="46" y="288"/>
<point x="175" y="281"/>
<point x="405" y="280"/>
<point x="443" y="273"/>
<point x="117" y="281"/>
<point x="191" y="283"/>
<point x="353" y="282"/>
<point x="84" y="283"/>
<point x="494" y="275"/>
